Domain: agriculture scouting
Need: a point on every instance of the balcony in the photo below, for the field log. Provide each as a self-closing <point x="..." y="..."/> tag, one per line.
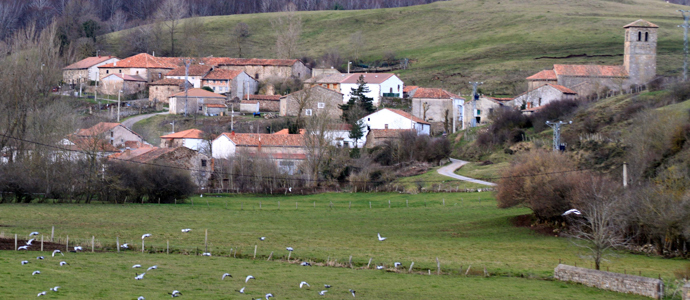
<point x="391" y="95"/>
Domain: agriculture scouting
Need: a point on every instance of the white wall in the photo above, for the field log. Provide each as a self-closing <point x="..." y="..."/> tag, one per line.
<point x="194" y="80"/>
<point x="245" y="84"/>
<point x="393" y="83"/>
<point x="337" y="138"/>
<point x="379" y="119"/>
<point x="376" y="91"/>
<point x="194" y="144"/>
<point x="222" y="147"/>
<point x="93" y="70"/>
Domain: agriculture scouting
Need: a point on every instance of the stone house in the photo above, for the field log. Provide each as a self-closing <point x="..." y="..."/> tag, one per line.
<point x="191" y="138"/>
<point x="200" y="165"/>
<point x="313" y="100"/>
<point x="379" y="137"/>
<point x="144" y="65"/>
<point x="263" y="69"/>
<point x="389" y="118"/>
<point x="543" y="95"/>
<point x="339" y="135"/>
<point x="215" y="109"/>
<point x="317" y="72"/>
<point x="408" y="91"/>
<point x="194" y="75"/>
<point x="438" y="107"/>
<point x="229" y="144"/>
<point x="639" y="66"/>
<point x="232" y="83"/>
<point x="485" y="106"/>
<point x="128" y="84"/>
<point x="161" y="90"/>
<point x="330" y="81"/>
<point x="80" y="147"/>
<point x="194" y="100"/>
<point x="114" y="134"/>
<point x="379" y="84"/>
<point x="266" y="103"/>
<point x="85" y="69"/>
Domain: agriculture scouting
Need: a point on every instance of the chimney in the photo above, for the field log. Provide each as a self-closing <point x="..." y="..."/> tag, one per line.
<point x="154" y="53"/>
<point x="116" y="64"/>
<point x="127" y="152"/>
<point x="232" y="133"/>
<point x="259" y="144"/>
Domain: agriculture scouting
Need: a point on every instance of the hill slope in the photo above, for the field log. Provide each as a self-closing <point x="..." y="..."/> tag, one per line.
<point x="450" y="43"/>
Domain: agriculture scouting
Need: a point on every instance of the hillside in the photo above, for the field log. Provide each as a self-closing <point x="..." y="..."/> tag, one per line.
<point x="450" y="43"/>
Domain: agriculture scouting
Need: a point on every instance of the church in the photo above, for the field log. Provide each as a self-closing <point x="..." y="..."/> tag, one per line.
<point x="639" y="68"/>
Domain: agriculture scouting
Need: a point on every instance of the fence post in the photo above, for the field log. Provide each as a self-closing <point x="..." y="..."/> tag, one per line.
<point x="350" y="261"/>
<point x="369" y="262"/>
<point x="206" y="240"/>
<point x="93" y="240"/>
<point x="369" y="204"/>
<point x="117" y="243"/>
<point x="52" y="232"/>
<point x="67" y="244"/>
<point x="142" y="246"/>
<point x="410" y="270"/>
<point x="167" y="247"/>
<point x="389" y="204"/>
<point x="41" y="243"/>
<point x="15" y="242"/>
<point x="270" y="256"/>
<point x="255" y="246"/>
<point x="438" y="267"/>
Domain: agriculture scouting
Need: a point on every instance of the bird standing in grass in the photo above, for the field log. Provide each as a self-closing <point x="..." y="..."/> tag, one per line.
<point x="25" y="262"/>
<point x="33" y="233"/>
<point x="305" y="264"/>
<point x="78" y="248"/>
<point x="206" y="254"/>
<point x="381" y="238"/>
<point x="263" y="238"/>
<point x="54" y="289"/>
<point x="397" y="264"/>
<point x="269" y="295"/>
<point x="152" y="268"/>
<point x="139" y="276"/>
<point x="379" y="267"/>
<point x="136" y="266"/>
<point x="303" y="283"/>
<point x="186" y="230"/>
<point x="225" y="275"/>
<point x="290" y="249"/>
<point x="63" y="263"/>
<point x="124" y="246"/>
<point x="141" y="298"/>
<point x="40" y="257"/>
<point x="352" y="292"/>
<point x="248" y="277"/>
<point x="327" y="286"/>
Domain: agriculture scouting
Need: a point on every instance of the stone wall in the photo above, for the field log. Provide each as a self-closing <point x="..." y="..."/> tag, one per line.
<point x="686" y="291"/>
<point x="616" y="282"/>
<point x="162" y="93"/>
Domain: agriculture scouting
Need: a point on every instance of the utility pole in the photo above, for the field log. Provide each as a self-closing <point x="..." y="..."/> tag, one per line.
<point x="557" y="132"/>
<point x="625" y="174"/>
<point x="475" y="97"/>
<point x="118" y="105"/>
<point x="187" y="63"/>
<point x="685" y="26"/>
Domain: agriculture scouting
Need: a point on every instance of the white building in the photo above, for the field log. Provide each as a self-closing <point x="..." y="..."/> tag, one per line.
<point x="194" y="74"/>
<point x="379" y="84"/>
<point x="389" y="118"/>
<point x="339" y="135"/>
<point x="86" y="69"/>
<point x="191" y="138"/>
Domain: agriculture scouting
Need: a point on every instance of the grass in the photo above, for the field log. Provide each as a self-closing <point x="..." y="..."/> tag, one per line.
<point x="431" y="180"/>
<point x="478" y="171"/>
<point x="453" y="42"/>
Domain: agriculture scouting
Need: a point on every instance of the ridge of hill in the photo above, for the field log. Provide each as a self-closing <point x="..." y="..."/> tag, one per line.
<point x="452" y="42"/>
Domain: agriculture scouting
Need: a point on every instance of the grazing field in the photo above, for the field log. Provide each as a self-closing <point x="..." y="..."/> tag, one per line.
<point x="468" y="230"/>
<point x="479" y="171"/>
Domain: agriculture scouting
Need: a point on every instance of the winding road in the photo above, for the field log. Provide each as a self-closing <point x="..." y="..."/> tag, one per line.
<point x="130" y="122"/>
<point x="456" y="163"/>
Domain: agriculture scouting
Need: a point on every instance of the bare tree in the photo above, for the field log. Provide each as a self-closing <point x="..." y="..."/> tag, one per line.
<point x="600" y="227"/>
<point x="240" y="34"/>
<point x="318" y="140"/>
<point x="118" y="21"/>
<point x="170" y="13"/>
<point x="288" y="28"/>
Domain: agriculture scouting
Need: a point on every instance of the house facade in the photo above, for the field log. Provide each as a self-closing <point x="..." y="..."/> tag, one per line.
<point x="379" y="84"/>
<point x="389" y="118"/>
<point x="265" y="103"/>
<point x="193" y="101"/>
<point x="229" y="144"/>
<point x="194" y="75"/>
<point x="85" y="69"/>
<point x="191" y="138"/>
<point x="313" y="100"/>
<point x="114" y="134"/>
<point x="178" y="157"/>
<point x="127" y="84"/>
<point x="161" y="90"/>
<point x="438" y="107"/>
<point x="478" y="111"/>
<point x="379" y="137"/>
<point x="262" y="69"/>
<point x="144" y="65"/>
<point x="233" y="83"/>
<point x="543" y="95"/>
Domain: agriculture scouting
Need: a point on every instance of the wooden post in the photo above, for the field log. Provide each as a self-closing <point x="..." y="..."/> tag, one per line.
<point x="255" y="246"/>
<point x="67" y="244"/>
<point x="206" y="240"/>
<point x="93" y="239"/>
<point x="167" y="247"/>
<point x="117" y="243"/>
<point x="444" y="201"/>
<point x="438" y="267"/>
<point x="259" y="204"/>
<point x="410" y="270"/>
<point x="369" y="204"/>
<point x="142" y="246"/>
<point x="389" y="204"/>
<point x="350" y="261"/>
<point x="41" y="243"/>
<point x="15" y="242"/>
<point x="52" y="232"/>
<point x="278" y="204"/>
<point x="429" y="272"/>
<point x="350" y="205"/>
<point x="468" y="270"/>
<point x="270" y="256"/>
<point x="289" y="253"/>
<point x="369" y="262"/>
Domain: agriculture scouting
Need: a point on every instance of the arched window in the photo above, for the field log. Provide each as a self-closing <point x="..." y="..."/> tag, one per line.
<point x="639" y="36"/>
<point x="646" y="36"/>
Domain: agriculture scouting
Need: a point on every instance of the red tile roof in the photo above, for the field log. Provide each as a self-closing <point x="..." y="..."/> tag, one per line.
<point x="263" y="97"/>
<point x="222" y="74"/>
<point x="328" y="78"/>
<point x="198" y="93"/>
<point x="144" y="60"/>
<point x="434" y="94"/>
<point x="563" y="89"/>
<point x="214" y="105"/>
<point x="407" y="115"/>
<point x="286" y="131"/>
<point x="372" y="78"/>
<point x="126" y="155"/>
<point x="267" y="140"/>
<point x="127" y="77"/>
<point x="151" y="155"/>
<point x="88" y="62"/>
<point x="590" y="71"/>
<point x="409" y="88"/>
<point x="194" y="70"/>
<point x="544" y="75"/>
<point x="641" y="23"/>
<point x="97" y="129"/>
<point x="227" y="61"/>
<point x="186" y="134"/>
<point x="170" y="81"/>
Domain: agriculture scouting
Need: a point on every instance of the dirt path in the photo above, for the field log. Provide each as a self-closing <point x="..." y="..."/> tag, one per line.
<point x="130" y="122"/>
<point x="456" y="163"/>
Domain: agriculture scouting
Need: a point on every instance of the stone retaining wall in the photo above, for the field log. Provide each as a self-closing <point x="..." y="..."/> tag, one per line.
<point x="617" y="282"/>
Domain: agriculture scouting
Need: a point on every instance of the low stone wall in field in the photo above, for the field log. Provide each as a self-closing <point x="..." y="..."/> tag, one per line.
<point x="622" y="283"/>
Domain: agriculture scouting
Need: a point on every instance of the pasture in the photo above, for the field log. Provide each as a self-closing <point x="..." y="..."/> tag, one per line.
<point x="467" y="231"/>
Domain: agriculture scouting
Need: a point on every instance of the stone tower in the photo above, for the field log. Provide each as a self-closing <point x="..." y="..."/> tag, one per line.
<point x="640" y="51"/>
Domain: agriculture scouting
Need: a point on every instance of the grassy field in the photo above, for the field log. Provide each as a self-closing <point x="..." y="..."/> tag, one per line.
<point x="430" y="181"/>
<point x="467" y="230"/>
<point x="453" y="42"/>
<point x="479" y="171"/>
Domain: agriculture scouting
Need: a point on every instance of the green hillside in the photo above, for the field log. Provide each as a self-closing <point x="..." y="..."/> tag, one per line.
<point x="453" y="42"/>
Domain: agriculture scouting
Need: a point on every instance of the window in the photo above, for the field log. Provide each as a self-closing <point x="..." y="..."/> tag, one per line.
<point x="321" y="105"/>
<point x="391" y="91"/>
<point x="111" y="134"/>
<point x="159" y="75"/>
<point x="398" y="87"/>
<point x="307" y="112"/>
<point x="120" y="70"/>
<point x="137" y="72"/>
<point x="203" y="162"/>
<point x="256" y="76"/>
<point x="639" y="36"/>
<point x="107" y="71"/>
<point x="201" y="108"/>
<point x="646" y="36"/>
<point x="479" y="112"/>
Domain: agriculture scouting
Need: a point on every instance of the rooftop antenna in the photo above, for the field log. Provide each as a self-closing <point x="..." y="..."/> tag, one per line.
<point x="685" y="42"/>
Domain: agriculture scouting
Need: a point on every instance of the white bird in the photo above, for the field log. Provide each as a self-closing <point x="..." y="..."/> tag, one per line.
<point x="54" y="289"/>
<point x="140" y="276"/>
<point x="145" y="236"/>
<point x="175" y="293"/>
<point x="124" y="246"/>
<point x="306" y="264"/>
<point x="303" y="283"/>
<point x="269" y="295"/>
<point x="249" y="277"/>
<point x="28" y="243"/>
<point x="225" y="275"/>
<point x="323" y="293"/>
<point x="381" y="238"/>
<point x="290" y="249"/>
<point x="206" y="254"/>
<point x="353" y="292"/>
<point x="141" y="298"/>
<point x="136" y="266"/>
<point x="327" y="286"/>
<point x="290" y="189"/>
<point x="23" y="248"/>
<point x="241" y="291"/>
<point x="397" y="264"/>
<point x="40" y="257"/>
<point x="24" y="262"/>
<point x="62" y="263"/>
<point x="35" y="272"/>
<point x="186" y="230"/>
<point x="379" y="267"/>
<point x="33" y="233"/>
<point x="571" y="211"/>
<point x="152" y="268"/>
<point x="78" y="248"/>
<point x="41" y="294"/>
<point x="57" y="251"/>
<point x="263" y="238"/>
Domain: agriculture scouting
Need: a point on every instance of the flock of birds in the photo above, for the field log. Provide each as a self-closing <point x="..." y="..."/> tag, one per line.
<point x="176" y="293"/>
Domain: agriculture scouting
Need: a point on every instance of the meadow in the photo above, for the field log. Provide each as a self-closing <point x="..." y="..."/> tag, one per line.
<point x="460" y="229"/>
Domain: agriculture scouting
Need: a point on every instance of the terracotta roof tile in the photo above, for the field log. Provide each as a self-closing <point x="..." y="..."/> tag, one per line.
<point x="267" y="140"/>
<point x="169" y="81"/>
<point x="328" y="78"/>
<point x="434" y="94"/>
<point x="97" y="129"/>
<point x="563" y="89"/>
<point x="409" y="88"/>
<point x="127" y="77"/>
<point x="544" y="75"/>
<point x="372" y="78"/>
<point x="641" y="23"/>
<point x="88" y="62"/>
<point x="89" y="143"/>
<point x="286" y="131"/>
<point x="222" y="74"/>
<point x="194" y="70"/>
<point x="151" y="155"/>
<point x="186" y="134"/>
<point x="407" y="115"/>
<point x="590" y="71"/>
<point x="199" y="93"/>
<point x="227" y="61"/>
<point x="143" y="60"/>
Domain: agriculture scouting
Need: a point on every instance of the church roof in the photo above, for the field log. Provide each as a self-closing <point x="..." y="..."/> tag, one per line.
<point x="563" y="89"/>
<point x="544" y="75"/>
<point x="641" y="23"/>
<point x="590" y="71"/>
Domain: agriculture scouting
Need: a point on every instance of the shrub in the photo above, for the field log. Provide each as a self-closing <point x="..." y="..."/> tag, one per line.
<point x="553" y="111"/>
<point x="506" y="127"/>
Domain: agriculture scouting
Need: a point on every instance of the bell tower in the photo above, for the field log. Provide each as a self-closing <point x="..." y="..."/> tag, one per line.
<point x="640" y="51"/>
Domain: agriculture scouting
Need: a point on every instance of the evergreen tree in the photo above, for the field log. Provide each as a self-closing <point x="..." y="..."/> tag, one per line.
<point x="356" y="132"/>
<point x="359" y="104"/>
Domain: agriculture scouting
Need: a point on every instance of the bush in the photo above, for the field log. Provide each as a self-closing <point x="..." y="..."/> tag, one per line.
<point x="412" y="147"/>
<point x="553" y="111"/>
<point x="506" y="128"/>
